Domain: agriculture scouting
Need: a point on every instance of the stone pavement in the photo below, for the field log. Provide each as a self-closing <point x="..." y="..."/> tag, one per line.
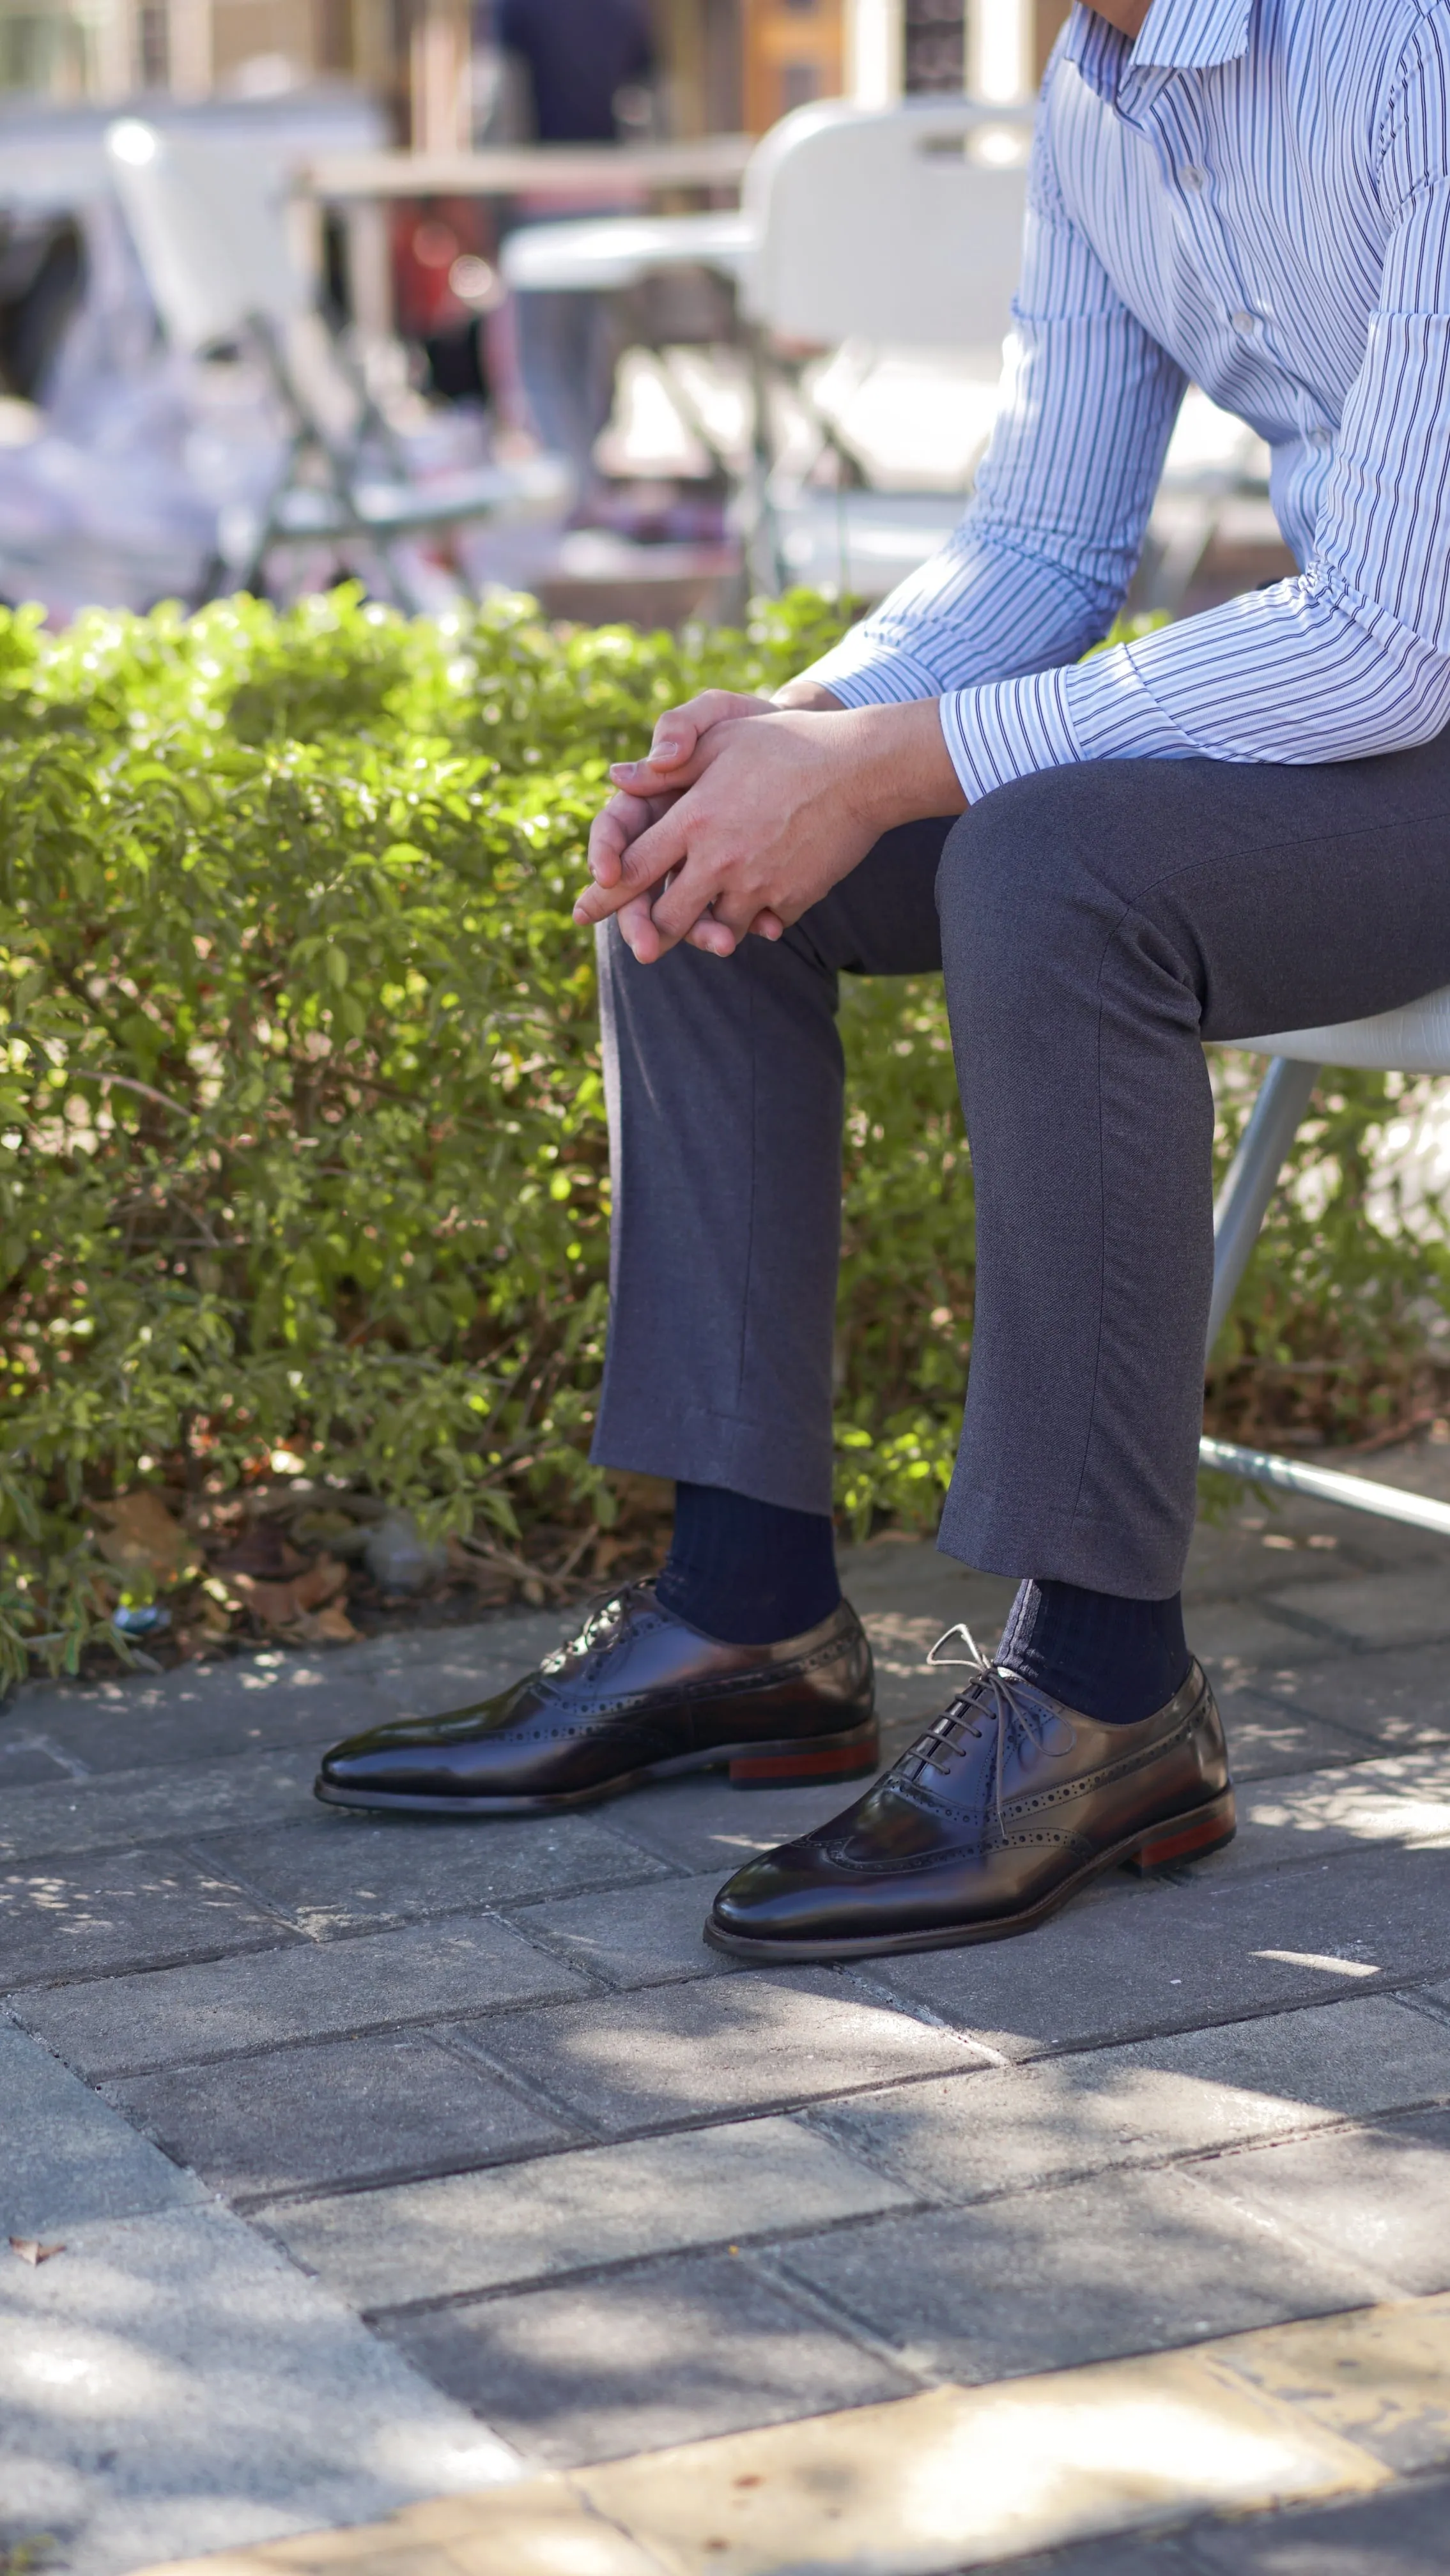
<point x="397" y="2158"/>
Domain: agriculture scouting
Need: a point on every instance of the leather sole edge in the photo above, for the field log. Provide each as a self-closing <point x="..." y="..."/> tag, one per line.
<point x="786" y="1763"/>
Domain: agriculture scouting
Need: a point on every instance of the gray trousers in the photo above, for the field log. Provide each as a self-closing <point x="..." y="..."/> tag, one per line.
<point x="1093" y="925"/>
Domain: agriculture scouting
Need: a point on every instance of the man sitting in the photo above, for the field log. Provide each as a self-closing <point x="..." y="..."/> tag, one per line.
<point x="1240" y="823"/>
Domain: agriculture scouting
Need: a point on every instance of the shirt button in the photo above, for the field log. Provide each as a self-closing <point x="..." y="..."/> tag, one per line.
<point x="1243" y="321"/>
<point x="1194" y="179"/>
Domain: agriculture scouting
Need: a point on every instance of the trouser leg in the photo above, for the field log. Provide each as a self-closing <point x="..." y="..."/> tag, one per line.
<point x="1097" y="924"/>
<point x="724" y="1082"/>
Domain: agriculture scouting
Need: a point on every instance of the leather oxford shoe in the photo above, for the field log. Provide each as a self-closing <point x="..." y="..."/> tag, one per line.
<point x="636" y="1695"/>
<point x="1001" y="1811"/>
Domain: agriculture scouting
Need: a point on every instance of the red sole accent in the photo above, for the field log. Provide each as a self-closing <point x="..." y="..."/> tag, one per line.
<point x="849" y="1758"/>
<point x="1187" y="1837"/>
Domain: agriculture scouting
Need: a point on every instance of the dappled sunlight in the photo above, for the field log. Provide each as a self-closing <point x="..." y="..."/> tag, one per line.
<point x="181" y="2342"/>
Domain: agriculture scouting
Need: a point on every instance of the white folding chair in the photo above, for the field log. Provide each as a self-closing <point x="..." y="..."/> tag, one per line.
<point x="211" y="228"/>
<point x="1413" y="1040"/>
<point x="878" y="231"/>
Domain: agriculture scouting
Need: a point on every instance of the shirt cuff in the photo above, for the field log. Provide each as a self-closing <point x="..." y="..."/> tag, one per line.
<point x="865" y="673"/>
<point x="1008" y="729"/>
<point x="1114" y="715"/>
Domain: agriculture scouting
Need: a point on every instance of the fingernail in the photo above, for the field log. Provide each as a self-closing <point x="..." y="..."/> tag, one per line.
<point x="669" y="749"/>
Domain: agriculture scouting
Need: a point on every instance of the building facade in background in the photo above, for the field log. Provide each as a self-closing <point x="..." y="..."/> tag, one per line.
<point x="729" y="65"/>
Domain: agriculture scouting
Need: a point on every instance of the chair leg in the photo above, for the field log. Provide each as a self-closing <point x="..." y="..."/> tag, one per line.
<point x="1253" y="1177"/>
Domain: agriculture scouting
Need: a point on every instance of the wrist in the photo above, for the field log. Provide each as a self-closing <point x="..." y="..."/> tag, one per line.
<point x="807" y="697"/>
<point x="905" y="770"/>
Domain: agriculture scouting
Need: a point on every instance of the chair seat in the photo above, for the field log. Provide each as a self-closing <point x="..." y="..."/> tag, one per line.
<point x="390" y="509"/>
<point x="1413" y="1040"/>
<point x="614" y="251"/>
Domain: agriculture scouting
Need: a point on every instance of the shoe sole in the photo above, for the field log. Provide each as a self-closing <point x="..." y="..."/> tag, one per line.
<point x="1186" y="1837"/>
<point x="783" y="1765"/>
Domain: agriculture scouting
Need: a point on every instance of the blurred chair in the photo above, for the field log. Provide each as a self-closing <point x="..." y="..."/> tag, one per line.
<point x="213" y="232"/>
<point x="1413" y="1040"/>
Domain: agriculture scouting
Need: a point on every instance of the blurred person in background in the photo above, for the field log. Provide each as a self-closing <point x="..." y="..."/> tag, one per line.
<point x="585" y="63"/>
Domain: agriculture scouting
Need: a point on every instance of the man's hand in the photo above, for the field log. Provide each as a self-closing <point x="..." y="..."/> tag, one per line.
<point x="645" y="789"/>
<point x="764" y="818"/>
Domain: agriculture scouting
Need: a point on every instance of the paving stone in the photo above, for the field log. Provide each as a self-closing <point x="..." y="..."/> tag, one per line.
<point x="121" y="1910"/>
<point x="203" y="1711"/>
<point x="480" y="2231"/>
<point x="156" y="1805"/>
<point x="65" y="2158"/>
<point x="972" y="2137"/>
<point x="1405" y="1609"/>
<point x="1399" y="1798"/>
<point x="358" y="2110"/>
<point x="1378" y="2195"/>
<point x="1233" y="1638"/>
<point x="1399" y="2532"/>
<point x="171" y="2385"/>
<point x="635" y="1936"/>
<point x="332" y="1871"/>
<point x="26" y="1759"/>
<point x="728" y="2044"/>
<point x="701" y="1823"/>
<point x="1267" y="1737"/>
<point x="1125" y="2263"/>
<point x="682" y="2349"/>
<point x="123" y="2025"/>
<point x="1130" y="1957"/>
<point x="1376" y="2377"/>
<point x="1397" y="1699"/>
<point x="1125" y="2553"/>
<point x="441" y="1668"/>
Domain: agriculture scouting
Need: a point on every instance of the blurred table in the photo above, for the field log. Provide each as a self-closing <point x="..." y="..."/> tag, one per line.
<point x="360" y="185"/>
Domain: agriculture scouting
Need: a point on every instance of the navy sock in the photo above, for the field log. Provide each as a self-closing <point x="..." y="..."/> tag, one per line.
<point x="747" y="1572"/>
<point x="1115" y="1660"/>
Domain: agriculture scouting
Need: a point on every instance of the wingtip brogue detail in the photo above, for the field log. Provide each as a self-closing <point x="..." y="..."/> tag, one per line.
<point x="635" y="1694"/>
<point x="996" y="1816"/>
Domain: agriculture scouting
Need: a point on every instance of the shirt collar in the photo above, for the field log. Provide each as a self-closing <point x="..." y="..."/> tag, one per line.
<point x="1178" y="35"/>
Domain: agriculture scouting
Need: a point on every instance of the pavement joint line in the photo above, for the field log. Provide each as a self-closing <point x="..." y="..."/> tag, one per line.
<point x="455" y="2033"/>
<point x="1426" y="2004"/>
<point x="620" y="2266"/>
<point x="953" y="2477"/>
<point x="838" y="2319"/>
<point x="152" y="1966"/>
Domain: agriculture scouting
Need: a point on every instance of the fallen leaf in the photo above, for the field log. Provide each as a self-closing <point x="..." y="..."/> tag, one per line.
<point x="273" y="1605"/>
<point x="30" y="2250"/>
<point x="143" y="1534"/>
<point x="280" y="1606"/>
<point x="324" y="1579"/>
<point x="329" y="1627"/>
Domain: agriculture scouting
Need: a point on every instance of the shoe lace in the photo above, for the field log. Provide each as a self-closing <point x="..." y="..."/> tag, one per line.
<point x="991" y="1691"/>
<point x="602" y="1622"/>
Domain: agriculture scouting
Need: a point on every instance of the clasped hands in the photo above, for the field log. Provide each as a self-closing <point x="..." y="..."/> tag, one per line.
<point x="747" y="810"/>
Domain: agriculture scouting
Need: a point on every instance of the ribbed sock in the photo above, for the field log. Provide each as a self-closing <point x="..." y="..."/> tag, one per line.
<point x="1115" y="1660"/>
<point x="747" y="1572"/>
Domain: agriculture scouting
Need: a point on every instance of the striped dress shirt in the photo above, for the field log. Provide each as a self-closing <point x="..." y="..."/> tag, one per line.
<point x="1255" y="197"/>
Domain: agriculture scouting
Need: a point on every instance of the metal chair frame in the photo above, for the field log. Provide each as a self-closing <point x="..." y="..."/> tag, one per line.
<point x="1243" y="1202"/>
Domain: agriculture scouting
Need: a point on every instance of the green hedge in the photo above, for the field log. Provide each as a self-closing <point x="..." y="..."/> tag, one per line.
<point x="302" y="1153"/>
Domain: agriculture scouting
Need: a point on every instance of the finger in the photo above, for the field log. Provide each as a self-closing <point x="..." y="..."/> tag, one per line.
<point x="679" y="729"/>
<point x="652" y="777"/>
<point x="645" y="861"/>
<point x="712" y="937"/>
<point x="617" y="824"/>
<point x="767" y="925"/>
<point x="690" y="893"/>
<point x="637" y="930"/>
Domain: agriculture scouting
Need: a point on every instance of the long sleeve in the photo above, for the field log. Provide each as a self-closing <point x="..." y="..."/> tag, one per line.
<point x="1353" y="658"/>
<point x="1349" y="659"/>
<point x="1042" y="560"/>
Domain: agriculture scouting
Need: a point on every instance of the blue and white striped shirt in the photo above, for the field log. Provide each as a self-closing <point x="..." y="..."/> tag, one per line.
<point x="1256" y="197"/>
